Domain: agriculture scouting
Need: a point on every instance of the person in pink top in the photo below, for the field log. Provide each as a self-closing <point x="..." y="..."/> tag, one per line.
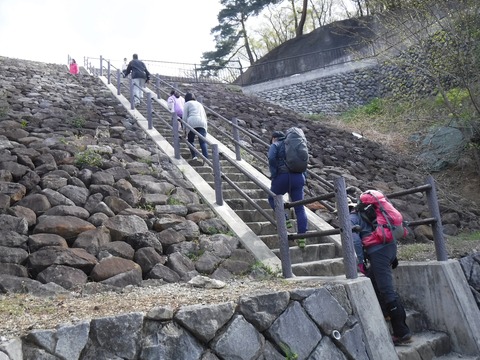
<point x="74" y="67"/>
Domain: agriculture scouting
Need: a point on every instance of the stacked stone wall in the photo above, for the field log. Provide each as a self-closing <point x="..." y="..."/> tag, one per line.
<point x="311" y="323"/>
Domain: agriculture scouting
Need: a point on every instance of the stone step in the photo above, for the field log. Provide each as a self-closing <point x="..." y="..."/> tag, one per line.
<point x="271" y="240"/>
<point x="244" y="185"/>
<point x="309" y="253"/>
<point x="254" y="215"/>
<point x="328" y="267"/>
<point x="262" y="227"/>
<point x="252" y="193"/>
<point x="426" y="345"/>
<point x="235" y="177"/>
<point x="242" y="204"/>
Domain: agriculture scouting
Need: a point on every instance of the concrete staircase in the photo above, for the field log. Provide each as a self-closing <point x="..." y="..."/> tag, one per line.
<point x="321" y="256"/>
<point x="426" y="344"/>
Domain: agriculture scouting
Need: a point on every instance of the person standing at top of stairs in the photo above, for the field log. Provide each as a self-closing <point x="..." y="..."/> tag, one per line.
<point x="284" y="182"/>
<point x="140" y="76"/>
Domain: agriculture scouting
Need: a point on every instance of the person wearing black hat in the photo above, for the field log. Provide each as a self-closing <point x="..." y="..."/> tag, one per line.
<point x="382" y="259"/>
<point x="284" y="182"/>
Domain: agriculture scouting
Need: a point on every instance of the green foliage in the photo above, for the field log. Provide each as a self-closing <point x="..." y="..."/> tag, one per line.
<point x="289" y="353"/>
<point x="174" y="201"/>
<point x="88" y="158"/>
<point x="266" y="269"/>
<point x="147" y="161"/>
<point x="456" y="96"/>
<point x="78" y="122"/>
<point x="373" y="108"/>
<point x="146" y="206"/>
<point x="194" y="256"/>
<point x="24" y="124"/>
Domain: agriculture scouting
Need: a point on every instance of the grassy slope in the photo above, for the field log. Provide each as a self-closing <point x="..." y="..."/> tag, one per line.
<point x="393" y="123"/>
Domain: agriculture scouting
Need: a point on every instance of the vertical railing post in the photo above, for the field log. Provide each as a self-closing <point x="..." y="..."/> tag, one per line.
<point x="119" y="81"/>
<point x="437" y="227"/>
<point x="217" y="174"/>
<point x="108" y="72"/>
<point x="349" y="258"/>
<point x="157" y="86"/>
<point x="236" y="138"/>
<point x="176" y="137"/>
<point x="101" y="65"/>
<point x="282" y="236"/>
<point x="132" y="100"/>
<point x="149" y="110"/>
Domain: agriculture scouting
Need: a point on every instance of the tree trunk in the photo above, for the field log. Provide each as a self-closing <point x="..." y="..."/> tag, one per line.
<point x="247" y="44"/>
<point x="299" y="29"/>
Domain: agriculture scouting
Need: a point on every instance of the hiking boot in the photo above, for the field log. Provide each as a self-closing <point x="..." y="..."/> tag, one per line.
<point x="301" y="243"/>
<point x="289" y="224"/>
<point x="399" y="340"/>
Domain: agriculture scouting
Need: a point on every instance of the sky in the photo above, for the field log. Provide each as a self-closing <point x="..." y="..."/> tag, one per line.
<point x="52" y="30"/>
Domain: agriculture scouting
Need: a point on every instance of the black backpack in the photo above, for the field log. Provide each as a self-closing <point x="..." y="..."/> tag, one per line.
<point x="296" y="150"/>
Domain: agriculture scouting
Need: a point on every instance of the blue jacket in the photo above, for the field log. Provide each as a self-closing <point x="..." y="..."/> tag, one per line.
<point x="276" y="159"/>
<point x="366" y="229"/>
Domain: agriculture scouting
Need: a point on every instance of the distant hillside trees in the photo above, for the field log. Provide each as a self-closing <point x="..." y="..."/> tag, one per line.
<point x="439" y="44"/>
<point x="283" y="20"/>
<point x="231" y="35"/>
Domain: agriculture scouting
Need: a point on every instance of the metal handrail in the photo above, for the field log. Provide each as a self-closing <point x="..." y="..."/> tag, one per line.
<point x="340" y="191"/>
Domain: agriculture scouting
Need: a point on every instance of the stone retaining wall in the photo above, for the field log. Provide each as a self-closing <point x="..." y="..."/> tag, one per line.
<point x="341" y="91"/>
<point x="312" y="323"/>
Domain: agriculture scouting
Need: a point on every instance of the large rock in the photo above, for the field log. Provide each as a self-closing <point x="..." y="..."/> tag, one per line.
<point x="121" y="226"/>
<point x="69" y="227"/>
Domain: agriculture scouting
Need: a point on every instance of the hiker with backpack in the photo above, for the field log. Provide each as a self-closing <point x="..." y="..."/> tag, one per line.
<point x="287" y="179"/>
<point x="377" y="226"/>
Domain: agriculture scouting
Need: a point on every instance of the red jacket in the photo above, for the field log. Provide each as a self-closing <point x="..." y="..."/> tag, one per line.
<point x="74" y="69"/>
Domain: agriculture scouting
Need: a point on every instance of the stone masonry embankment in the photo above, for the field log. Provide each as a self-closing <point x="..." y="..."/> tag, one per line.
<point x="311" y="323"/>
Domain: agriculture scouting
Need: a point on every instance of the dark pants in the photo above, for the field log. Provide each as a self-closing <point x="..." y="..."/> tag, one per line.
<point x="203" y="144"/>
<point x="291" y="183"/>
<point x="380" y="273"/>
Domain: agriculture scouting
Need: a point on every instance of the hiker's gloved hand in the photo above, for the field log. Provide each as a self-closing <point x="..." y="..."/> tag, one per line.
<point x="394" y="263"/>
<point x="361" y="268"/>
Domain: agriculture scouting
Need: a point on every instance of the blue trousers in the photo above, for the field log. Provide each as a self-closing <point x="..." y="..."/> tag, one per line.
<point x="381" y="272"/>
<point x="291" y="183"/>
<point x="203" y="144"/>
<point x="382" y="280"/>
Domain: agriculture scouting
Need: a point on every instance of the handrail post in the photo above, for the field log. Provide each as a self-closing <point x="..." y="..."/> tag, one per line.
<point x="157" y="86"/>
<point x="119" y="82"/>
<point x="108" y="72"/>
<point x="132" y="100"/>
<point x="437" y="227"/>
<point x="236" y="137"/>
<point x="283" y="236"/>
<point x="149" y="110"/>
<point x="349" y="258"/>
<point x="217" y="174"/>
<point x="176" y="137"/>
<point x="101" y="65"/>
